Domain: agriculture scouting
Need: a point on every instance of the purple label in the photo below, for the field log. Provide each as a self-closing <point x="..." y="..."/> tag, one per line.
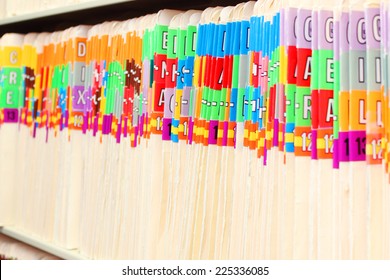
<point x="304" y="29"/>
<point x="385" y="30"/>
<point x="107" y="122"/>
<point x="343" y="33"/>
<point x="315" y="31"/>
<point x="190" y="130"/>
<point x="275" y="139"/>
<point x="141" y="125"/>
<point x="169" y="102"/>
<point x="146" y="77"/>
<point x="352" y="146"/>
<point x="125" y="127"/>
<point x="185" y="102"/>
<point x="135" y="136"/>
<point x="357" y="31"/>
<point x="66" y="118"/>
<point x="11" y="115"/>
<point x="225" y="133"/>
<point x="314" y="154"/>
<point x="290" y="26"/>
<point x="85" y="122"/>
<point x="282" y="38"/>
<point x="166" y="129"/>
<point x="336" y="38"/>
<point x="343" y="143"/>
<point x="213" y="132"/>
<point x="81" y="100"/>
<point x="95" y="125"/>
<point x="118" y="132"/>
<point x="373" y="23"/>
<point x="326" y="30"/>
<point x="336" y="153"/>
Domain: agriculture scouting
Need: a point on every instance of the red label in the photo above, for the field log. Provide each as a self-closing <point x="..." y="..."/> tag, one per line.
<point x="208" y="70"/>
<point x="303" y="67"/>
<point x="314" y="109"/>
<point x="129" y="100"/>
<point x="256" y="69"/>
<point x="158" y="98"/>
<point x="160" y="68"/>
<point x="217" y="79"/>
<point x="292" y="65"/>
<point x="170" y="74"/>
<point x="227" y="75"/>
<point x="325" y="108"/>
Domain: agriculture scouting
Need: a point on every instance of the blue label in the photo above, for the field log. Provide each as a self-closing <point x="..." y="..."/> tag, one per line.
<point x="256" y="100"/>
<point x="229" y="34"/>
<point x="220" y="47"/>
<point x="233" y="104"/>
<point x="189" y="70"/>
<point x="181" y="70"/>
<point x="245" y="36"/>
<point x="236" y="38"/>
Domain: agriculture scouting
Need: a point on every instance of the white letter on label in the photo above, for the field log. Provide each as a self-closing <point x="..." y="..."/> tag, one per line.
<point x="83" y="73"/>
<point x="329" y="112"/>
<point x="13" y="57"/>
<point x="376" y="26"/>
<point x="174" y="44"/>
<point x="9" y="97"/>
<point x="362" y="112"/>
<point x="12" y="78"/>
<point x="194" y="41"/>
<point x="163" y="69"/>
<point x="307" y="29"/>
<point x="329" y="70"/>
<point x="378" y="74"/>
<point x="361" y="31"/>
<point x="361" y="69"/>
<point x="223" y="41"/>
<point x="172" y="103"/>
<point x="306" y="106"/>
<point x="220" y="78"/>
<point x="307" y="68"/>
<point x="165" y="40"/>
<point x="81" y="49"/>
<point x="329" y="30"/>
<point x="161" y="99"/>
<point x="81" y="97"/>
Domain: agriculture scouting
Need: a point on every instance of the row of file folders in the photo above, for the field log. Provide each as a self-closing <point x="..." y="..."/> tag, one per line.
<point x="312" y="80"/>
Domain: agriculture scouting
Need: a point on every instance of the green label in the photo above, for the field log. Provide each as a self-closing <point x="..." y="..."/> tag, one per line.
<point x="303" y="106"/>
<point x="290" y="103"/>
<point x="190" y="46"/>
<point x="326" y="69"/>
<point x="236" y="70"/>
<point x="161" y="39"/>
<point x="172" y="47"/>
<point x="336" y="89"/>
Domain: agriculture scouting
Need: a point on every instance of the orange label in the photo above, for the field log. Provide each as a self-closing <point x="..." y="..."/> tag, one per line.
<point x="302" y="141"/>
<point x="358" y="109"/>
<point x="325" y="143"/>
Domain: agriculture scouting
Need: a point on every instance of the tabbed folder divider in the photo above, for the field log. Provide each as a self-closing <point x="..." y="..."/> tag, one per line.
<point x="295" y="81"/>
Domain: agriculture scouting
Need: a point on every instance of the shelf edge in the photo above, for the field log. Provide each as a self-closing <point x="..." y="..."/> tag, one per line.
<point x="60" y="10"/>
<point x="42" y="245"/>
